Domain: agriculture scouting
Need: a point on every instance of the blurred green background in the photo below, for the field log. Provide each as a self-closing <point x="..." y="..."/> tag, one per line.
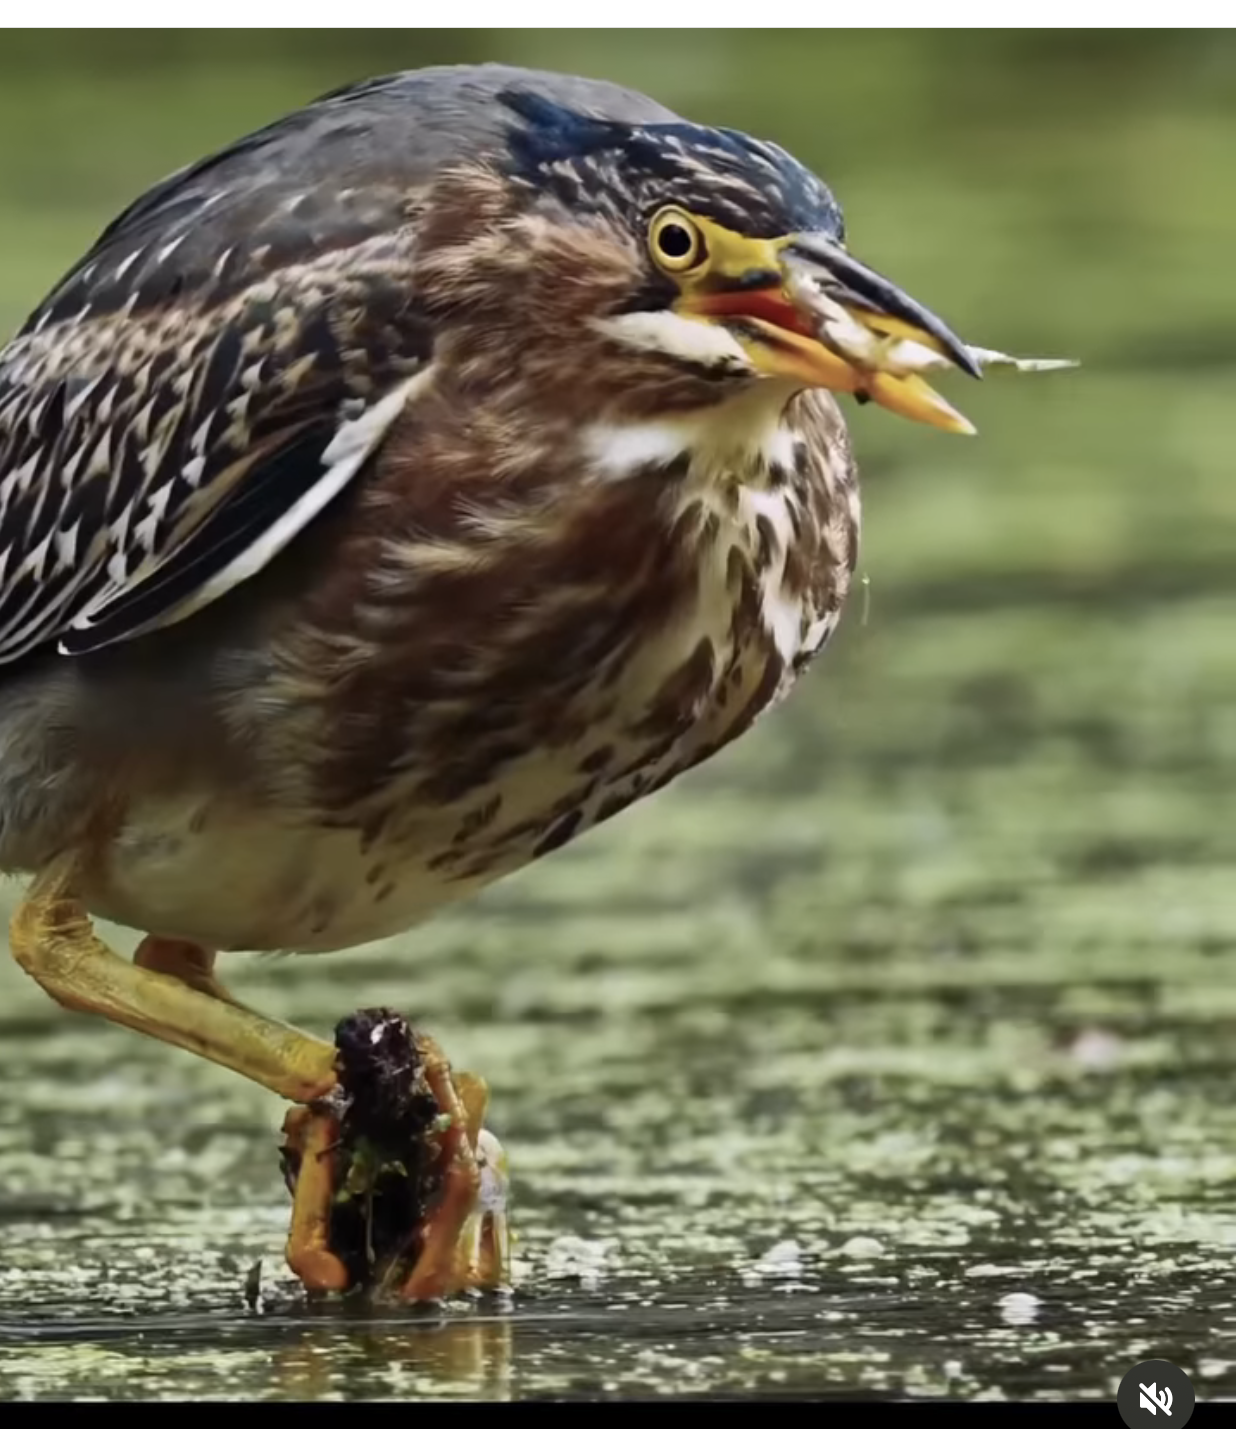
<point x="933" y="975"/>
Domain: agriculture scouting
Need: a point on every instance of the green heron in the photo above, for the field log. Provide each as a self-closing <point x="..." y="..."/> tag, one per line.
<point x="387" y="500"/>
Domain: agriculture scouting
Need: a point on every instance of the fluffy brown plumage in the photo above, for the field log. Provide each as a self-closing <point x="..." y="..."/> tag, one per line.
<point x="392" y="498"/>
<point x="471" y="608"/>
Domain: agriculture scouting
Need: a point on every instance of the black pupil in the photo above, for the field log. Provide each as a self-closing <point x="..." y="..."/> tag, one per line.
<point x="675" y="241"/>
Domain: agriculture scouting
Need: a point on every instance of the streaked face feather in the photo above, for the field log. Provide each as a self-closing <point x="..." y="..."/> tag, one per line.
<point x="693" y="343"/>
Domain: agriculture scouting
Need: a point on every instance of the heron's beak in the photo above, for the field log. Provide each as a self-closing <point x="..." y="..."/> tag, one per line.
<point x="822" y="318"/>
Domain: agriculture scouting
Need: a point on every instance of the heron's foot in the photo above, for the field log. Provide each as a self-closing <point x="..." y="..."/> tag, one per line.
<point x="397" y="1186"/>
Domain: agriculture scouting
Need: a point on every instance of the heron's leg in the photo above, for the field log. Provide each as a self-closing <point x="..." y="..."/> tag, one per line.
<point x="52" y="939"/>
<point x="194" y="966"/>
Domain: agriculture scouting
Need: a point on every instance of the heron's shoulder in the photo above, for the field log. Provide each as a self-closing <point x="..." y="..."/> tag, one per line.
<point x="339" y="171"/>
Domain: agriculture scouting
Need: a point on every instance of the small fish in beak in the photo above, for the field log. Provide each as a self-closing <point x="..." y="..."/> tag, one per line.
<point x="861" y="322"/>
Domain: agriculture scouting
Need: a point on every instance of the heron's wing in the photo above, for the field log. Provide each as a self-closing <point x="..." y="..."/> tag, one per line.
<point x="225" y="357"/>
<point x="211" y="374"/>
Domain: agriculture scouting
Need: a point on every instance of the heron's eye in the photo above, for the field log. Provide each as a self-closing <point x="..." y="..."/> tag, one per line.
<point x="677" y="243"/>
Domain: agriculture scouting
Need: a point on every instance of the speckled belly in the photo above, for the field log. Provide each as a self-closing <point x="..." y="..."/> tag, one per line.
<point x="229" y="875"/>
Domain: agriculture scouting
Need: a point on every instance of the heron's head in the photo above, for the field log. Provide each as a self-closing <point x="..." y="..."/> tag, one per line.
<point x="663" y="266"/>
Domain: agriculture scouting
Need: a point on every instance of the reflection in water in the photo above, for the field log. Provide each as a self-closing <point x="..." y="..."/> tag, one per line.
<point x="423" y="1357"/>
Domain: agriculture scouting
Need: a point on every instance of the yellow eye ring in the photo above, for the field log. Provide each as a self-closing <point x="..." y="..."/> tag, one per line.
<point x="676" y="241"/>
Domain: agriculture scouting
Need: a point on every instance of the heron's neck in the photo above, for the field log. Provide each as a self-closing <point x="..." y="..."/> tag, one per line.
<point x="746" y="440"/>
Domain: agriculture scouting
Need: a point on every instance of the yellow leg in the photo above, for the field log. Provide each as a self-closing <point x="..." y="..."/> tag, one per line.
<point x="194" y="966"/>
<point x="52" y="939"/>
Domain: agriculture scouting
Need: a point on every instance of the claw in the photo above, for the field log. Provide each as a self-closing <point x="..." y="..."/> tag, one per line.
<point x="492" y="1252"/>
<point x="312" y="1136"/>
<point x="487" y="1231"/>
<point x="397" y="1169"/>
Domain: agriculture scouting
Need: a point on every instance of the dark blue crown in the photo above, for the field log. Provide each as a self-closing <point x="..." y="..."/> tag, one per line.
<point x="781" y="195"/>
